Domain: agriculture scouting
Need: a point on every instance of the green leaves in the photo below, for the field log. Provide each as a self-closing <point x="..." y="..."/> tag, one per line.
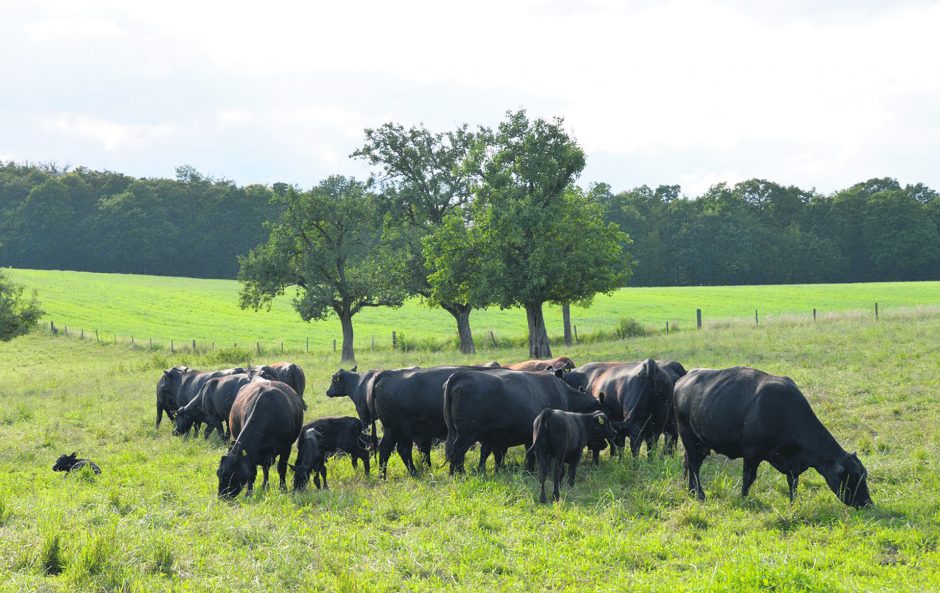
<point x="18" y="314"/>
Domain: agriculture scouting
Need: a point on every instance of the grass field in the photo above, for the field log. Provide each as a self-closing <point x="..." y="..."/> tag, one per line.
<point x="152" y="521"/>
<point x="185" y="309"/>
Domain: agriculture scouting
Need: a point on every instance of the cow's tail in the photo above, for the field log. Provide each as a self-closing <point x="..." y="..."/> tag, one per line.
<point x="370" y="403"/>
<point x="539" y="435"/>
<point x="448" y="418"/>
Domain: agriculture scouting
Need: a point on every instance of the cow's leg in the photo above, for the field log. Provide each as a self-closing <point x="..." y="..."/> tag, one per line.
<point x="424" y="445"/>
<point x="282" y="466"/>
<point x="223" y="434"/>
<point x="208" y="431"/>
<point x="793" y="480"/>
<point x="572" y="469"/>
<point x="695" y="454"/>
<point x="385" y="451"/>
<point x="596" y="453"/>
<point x="671" y="435"/>
<point x="251" y="479"/>
<point x="405" y="446"/>
<point x="159" y="414"/>
<point x="529" y="457"/>
<point x="323" y="473"/>
<point x="485" y="451"/>
<point x="750" y="473"/>
<point x="228" y="431"/>
<point x="545" y="463"/>
<point x="459" y="452"/>
<point x="498" y="456"/>
<point x="265" y="466"/>
<point x="559" y="474"/>
<point x="365" y="461"/>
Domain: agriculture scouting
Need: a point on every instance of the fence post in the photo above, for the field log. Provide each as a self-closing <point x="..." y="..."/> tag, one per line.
<point x="83" y="334"/>
<point x="308" y="344"/>
<point x="52" y="327"/>
<point x="493" y="338"/>
<point x="876" y="311"/>
<point x="698" y="318"/>
<point x="97" y="339"/>
<point x="373" y="343"/>
<point x="575" y="334"/>
<point x="394" y="341"/>
<point x="66" y="330"/>
<point x="151" y="343"/>
<point x="334" y="344"/>
<point x="132" y="340"/>
<point x="667" y="327"/>
<point x="814" y="314"/>
<point x="172" y="346"/>
<point x="258" y="346"/>
<point x="282" y="346"/>
<point x="756" y="320"/>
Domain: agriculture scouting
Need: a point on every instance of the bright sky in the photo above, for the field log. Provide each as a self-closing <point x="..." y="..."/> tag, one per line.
<point x="814" y="93"/>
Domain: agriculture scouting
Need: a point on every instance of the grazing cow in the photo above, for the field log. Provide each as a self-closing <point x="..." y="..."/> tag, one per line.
<point x="358" y="387"/>
<point x="266" y="419"/>
<point x="410" y="404"/>
<point x="180" y="384"/>
<point x="343" y="434"/>
<point x="743" y="412"/>
<point x="497" y="408"/>
<point x="311" y="459"/>
<point x="639" y="398"/>
<point x="70" y="463"/>
<point x="289" y="373"/>
<point x="213" y="403"/>
<point x="560" y="363"/>
<point x="561" y="437"/>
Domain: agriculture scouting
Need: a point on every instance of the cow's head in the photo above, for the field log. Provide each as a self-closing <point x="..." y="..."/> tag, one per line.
<point x="602" y="428"/>
<point x="339" y="386"/>
<point x="65" y="462"/>
<point x="185" y="418"/>
<point x="849" y="480"/>
<point x="235" y="472"/>
<point x="310" y="459"/>
<point x="263" y="372"/>
<point x="168" y="386"/>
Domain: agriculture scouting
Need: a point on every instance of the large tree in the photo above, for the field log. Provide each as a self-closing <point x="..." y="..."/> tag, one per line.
<point x="329" y="244"/>
<point x="546" y="240"/>
<point x="423" y="182"/>
<point x="18" y="313"/>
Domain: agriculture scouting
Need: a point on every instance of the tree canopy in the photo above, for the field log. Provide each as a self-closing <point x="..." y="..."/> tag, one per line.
<point x="18" y="313"/>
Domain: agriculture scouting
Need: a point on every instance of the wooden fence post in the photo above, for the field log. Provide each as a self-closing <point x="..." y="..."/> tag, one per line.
<point x="394" y="341"/>
<point x="258" y="345"/>
<point x="132" y="340"/>
<point x="97" y="339"/>
<point x="151" y="343"/>
<point x="814" y="314"/>
<point x="756" y="320"/>
<point x="83" y="334"/>
<point x="698" y="318"/>
<point x="575" y="334"/>
<point x="373" y="343"/>
<point x="876" y="311"/>
<point x="334" y="344"/>
<point x="282" y="346"/>
<point x="308" y="344"/>
<point x="493" y="338"/>
<point x="172" y="346"/>
<point x="667" y="327"/>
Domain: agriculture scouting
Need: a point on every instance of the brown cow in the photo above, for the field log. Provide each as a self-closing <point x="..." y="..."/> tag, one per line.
<point x="562" y="362"/>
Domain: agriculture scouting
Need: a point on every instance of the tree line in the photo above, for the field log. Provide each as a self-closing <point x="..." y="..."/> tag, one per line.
<point x="464" y="219"/>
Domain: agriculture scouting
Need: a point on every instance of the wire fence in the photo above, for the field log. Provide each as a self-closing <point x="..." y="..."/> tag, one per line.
<point x="488" y="339"/>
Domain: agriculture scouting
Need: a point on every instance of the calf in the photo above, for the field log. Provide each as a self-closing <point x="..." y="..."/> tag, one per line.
<point x="743" y="412"/>
<point x="69" y="463"/>
<point x="311" y="459"/>
<point x="561" y="436"/>
<point x="343" y="434"/>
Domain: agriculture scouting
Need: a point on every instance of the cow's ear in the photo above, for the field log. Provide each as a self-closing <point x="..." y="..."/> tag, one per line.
<point x="340" y="371"/>
<point x="74" y="453"/>
<point x="855" y="454"/>
<point x="353" y="370"/>
<point x="601" y="397"/>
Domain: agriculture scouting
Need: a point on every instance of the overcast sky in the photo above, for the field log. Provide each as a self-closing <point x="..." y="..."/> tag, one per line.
<point x="817" y="94"/>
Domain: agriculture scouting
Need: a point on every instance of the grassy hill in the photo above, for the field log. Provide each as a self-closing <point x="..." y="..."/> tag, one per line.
<point x="184" y="309"/>
<point x="151" y="521"/>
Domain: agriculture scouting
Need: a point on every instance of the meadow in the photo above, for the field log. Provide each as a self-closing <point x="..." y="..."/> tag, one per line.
<point x="152" y="522"/>
<point x="184" y="309"/>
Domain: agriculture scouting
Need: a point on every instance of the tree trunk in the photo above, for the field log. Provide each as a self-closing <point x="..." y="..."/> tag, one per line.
<point x="345" y="320"/>
<point x="538" y="336"/>
<point x="462" y="314"/>
<point x="566" y="319"/>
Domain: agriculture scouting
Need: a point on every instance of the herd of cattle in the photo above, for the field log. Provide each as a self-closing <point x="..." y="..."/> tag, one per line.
<point x="551" y="407"/>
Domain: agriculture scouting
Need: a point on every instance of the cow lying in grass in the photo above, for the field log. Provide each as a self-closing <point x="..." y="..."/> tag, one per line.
<point x="560" y="437"/>
<point x="70" y="463"/>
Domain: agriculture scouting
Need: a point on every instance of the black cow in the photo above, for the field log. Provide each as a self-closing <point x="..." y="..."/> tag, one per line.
<point x="343" y="434"/>
<point x="358" y="387"/>
<point x="497" y="408"/>
<point x="743" y="412"/>
<point x="286" y="372"/>
<point x="266" y="419"/>
<point x="70" y="463"/>
<point x="311" y="459"/>
<point x="213" y="403"/>
<point x="410" y="404"/>
<point x="561" y="437"/>
<point x="639" y="399"/>
<point x="180" y="384"/>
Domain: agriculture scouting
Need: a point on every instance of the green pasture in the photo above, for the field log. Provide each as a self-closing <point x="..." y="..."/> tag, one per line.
<point x="186" y="309"/>
<point x="152" y="522"/>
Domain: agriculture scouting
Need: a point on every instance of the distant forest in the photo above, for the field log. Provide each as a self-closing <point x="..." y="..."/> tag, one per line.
<point x="754" y="232"/>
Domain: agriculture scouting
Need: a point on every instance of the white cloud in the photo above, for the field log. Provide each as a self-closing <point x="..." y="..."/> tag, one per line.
<point x="111" y="135"/>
